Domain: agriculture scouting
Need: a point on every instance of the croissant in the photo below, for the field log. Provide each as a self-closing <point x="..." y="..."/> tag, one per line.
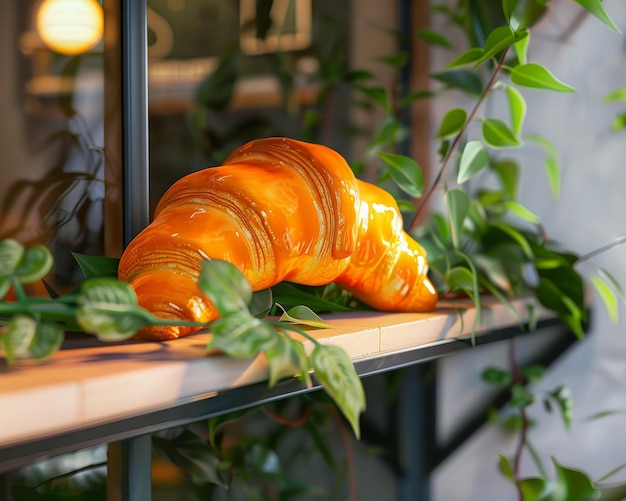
<point x="278" y="209"/>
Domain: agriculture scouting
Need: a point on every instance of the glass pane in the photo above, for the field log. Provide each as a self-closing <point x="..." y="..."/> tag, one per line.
<point x="52" y="181"/>
<point x="223" y="73"/>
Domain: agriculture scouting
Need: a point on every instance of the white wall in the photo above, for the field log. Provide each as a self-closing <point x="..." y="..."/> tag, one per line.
<point x="591" y="213"/>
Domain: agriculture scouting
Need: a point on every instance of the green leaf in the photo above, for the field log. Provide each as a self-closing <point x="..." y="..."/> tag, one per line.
<point x="533" y="373"/>
<point x="474" y="293"/>
<point x="397" y="60"/>
<point x="473" y="160"/>
<point x="505" y="468"/>
<point x="390" y="132"/>
<point x="517" y="109"/>
<point x="498" y="40"/>
<point x="507" y="171"/>
<point x="443" y="149"/>
<point x="109" y="309"/>
<point x="17" y="337"/>
<point x="478" y="217"/>
<point x="551" y="296"/>
<point x="405" y="205"/>
<point x="35" y="264"/>
<point x="494" y="274"/>
<point x="463" y="80"/>
<point x="604" y="273"/>
<point x="535" y="76"/>
<point x="218" y="423"/>
<point x="452" y="123"/>
<point x="241" y="335"/>
<point x="615" y="95"/>
<point x="520" y="396"/>
<point x="521" y="50"/>
<point x="457" y="204"/>
<point x="261" y="303"/>
<point x="619" y="123"/>
<point x="406" y="173"/>
<point x="460" y="279"/>
<point x="498" y="135"/>
<point x="5" y="285"/>
<point x="613" y="492"/>
<point x="545" y="143"/>
<point x="596" y="8"/>
<point x="495" y="375"/>
<point x="305" y="316"/>
<point x="433" y="38"/>
<point x="516" y="236"/>
<point x="520" y="211"/>
<point x="574" y="484"/>
<point x="289" y="295"/>
<point x="11" y="252"/>
<point x="358" y="75"/>
<point x="563" y="397"/>
<point x="96" y="266"/>
<point x="285" y="358"/>
<point x="441" y="229"/>
<point x="553" y="170"/>
<point x="193" y="455"/>
<point x="538" y="489"/>
<point x="378" y="95"/>
<point x="416" y="96"/>
<point x="520" y="14"/>
<point x="225" y="286"/>
<point x="608" y="297"/>
<point x="470" y="56"/>
<point x="513" y="423"/>
<point x="607" y="413"/>
<point x="335" y="371"/>
<point x="47" y="341"/>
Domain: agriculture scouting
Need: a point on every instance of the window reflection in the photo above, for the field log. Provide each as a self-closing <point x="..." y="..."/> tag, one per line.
<point x="223" y="73"/>
<point x="51" y="101"/>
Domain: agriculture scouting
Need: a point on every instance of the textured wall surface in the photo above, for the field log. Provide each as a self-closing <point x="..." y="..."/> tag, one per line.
<point x="589" y="215"/>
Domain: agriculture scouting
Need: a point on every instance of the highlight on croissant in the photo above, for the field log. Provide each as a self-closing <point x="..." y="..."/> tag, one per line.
<point x="280" y="210"/>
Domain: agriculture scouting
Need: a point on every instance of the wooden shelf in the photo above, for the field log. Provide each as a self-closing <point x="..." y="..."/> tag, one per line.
<point x="90" y="395"/>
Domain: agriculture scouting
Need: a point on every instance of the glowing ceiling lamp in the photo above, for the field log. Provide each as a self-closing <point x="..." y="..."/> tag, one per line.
<point x="70" y="26"/>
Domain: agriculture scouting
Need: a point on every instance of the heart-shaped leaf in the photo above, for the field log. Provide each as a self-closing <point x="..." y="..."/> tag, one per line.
<point x="406" y="173"/>
<point x="335" y="371"/>
<point x="225" y="286"/>
<point x="35" y="263"/>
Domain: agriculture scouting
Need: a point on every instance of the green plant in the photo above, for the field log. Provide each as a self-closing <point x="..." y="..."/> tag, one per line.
<point x="486" y="240"/>
<point x="32" y="327"/>
<point x="617" y="95"/>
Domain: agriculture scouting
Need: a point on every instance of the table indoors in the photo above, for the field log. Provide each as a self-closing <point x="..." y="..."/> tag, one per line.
<point x="94" y="393"/>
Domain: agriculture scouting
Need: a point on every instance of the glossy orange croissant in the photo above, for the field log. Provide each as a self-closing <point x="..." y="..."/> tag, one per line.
<point x="278" y="209"/>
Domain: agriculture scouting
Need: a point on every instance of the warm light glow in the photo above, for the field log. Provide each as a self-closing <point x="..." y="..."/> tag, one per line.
<point x="70" y="26"/>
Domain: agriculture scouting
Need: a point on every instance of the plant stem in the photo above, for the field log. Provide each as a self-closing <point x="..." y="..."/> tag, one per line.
<point x="20" y="294"/>
<point x="518" y="378"/>
<point x="535" y="455"/>
<point x="291" y="423"/>
<point x="457" y="140"/>
<point x="600" y="250"/>
<point x="345" y="440"/>
<point x="38" y="307"/>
